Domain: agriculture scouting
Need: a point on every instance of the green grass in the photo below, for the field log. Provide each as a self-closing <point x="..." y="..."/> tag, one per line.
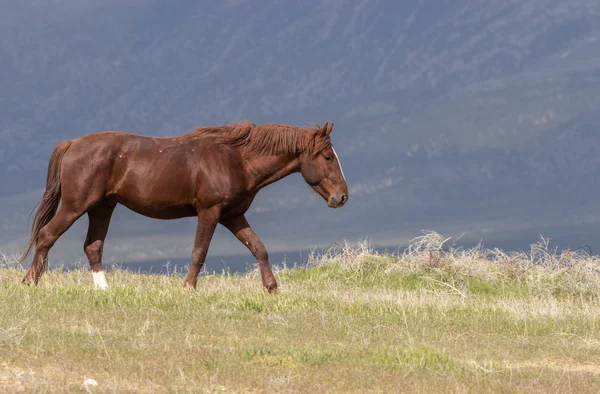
<point x="354" y="321"/>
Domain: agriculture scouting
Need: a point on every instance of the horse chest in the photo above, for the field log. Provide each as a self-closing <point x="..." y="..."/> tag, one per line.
<point x="238" y="205"/>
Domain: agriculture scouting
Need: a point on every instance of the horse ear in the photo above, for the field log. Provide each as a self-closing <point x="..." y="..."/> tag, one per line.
<point x="330" y="128"/>
<point x="325" y="129"/>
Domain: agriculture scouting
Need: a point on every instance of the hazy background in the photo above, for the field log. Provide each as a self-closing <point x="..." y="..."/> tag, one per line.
<point x="475" y="117"/>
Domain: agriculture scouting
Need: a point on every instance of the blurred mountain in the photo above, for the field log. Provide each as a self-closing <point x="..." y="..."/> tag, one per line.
<point x="456" y="116"/>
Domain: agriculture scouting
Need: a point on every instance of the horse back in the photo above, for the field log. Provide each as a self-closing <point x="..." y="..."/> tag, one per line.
<point x="157" y="177"/>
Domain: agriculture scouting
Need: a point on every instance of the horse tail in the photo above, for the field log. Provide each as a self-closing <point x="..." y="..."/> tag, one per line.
<point x="46" y="209"/>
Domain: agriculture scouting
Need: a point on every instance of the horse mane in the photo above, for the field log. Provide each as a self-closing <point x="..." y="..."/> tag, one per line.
<point x="268" y="139"/>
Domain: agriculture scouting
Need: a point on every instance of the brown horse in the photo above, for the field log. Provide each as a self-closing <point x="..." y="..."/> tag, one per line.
<point x="212" y="172"/>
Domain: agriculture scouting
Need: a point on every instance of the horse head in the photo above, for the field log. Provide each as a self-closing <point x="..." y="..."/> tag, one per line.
<point x="323" y="172"/>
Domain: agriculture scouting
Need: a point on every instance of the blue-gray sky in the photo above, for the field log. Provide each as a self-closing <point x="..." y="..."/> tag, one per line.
<point x="456" y="116"/>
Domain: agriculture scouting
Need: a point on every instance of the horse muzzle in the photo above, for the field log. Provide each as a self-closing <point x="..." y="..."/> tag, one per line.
<point x="337" y="200"/>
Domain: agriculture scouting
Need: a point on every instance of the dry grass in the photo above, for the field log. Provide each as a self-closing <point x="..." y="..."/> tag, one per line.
<point x="433" y="318"/>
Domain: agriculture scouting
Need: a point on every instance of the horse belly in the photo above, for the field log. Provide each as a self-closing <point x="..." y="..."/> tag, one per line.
<point x="165" y="212"/>
<point x="161" y="192"/>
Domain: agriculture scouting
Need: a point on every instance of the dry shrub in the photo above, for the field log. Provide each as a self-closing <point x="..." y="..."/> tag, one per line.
<point x="541" y="268"/>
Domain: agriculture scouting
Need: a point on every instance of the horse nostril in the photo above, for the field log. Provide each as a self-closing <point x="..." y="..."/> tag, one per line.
<point x="338" y="200"/>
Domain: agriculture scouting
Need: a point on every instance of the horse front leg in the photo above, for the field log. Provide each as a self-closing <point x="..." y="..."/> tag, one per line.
<point x="207" y="222"/>
<point x="242" y="230"/>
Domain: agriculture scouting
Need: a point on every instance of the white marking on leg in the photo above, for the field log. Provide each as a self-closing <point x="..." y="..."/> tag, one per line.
<point x="100" y="280"/>
<point x="340" y="164"/>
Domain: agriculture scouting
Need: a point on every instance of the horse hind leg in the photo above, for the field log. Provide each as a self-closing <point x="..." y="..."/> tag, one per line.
<point x="46" y="238"/>
<point x="99" y="221"/>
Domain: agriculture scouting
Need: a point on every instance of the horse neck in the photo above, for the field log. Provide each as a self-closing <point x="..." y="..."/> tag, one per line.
<point x="262" y="171"/>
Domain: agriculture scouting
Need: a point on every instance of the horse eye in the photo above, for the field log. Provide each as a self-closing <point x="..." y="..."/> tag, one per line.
<point x="328" y="158"/>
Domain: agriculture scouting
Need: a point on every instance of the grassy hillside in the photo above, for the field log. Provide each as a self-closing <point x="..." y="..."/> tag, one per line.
<point x="433" y="319"/>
